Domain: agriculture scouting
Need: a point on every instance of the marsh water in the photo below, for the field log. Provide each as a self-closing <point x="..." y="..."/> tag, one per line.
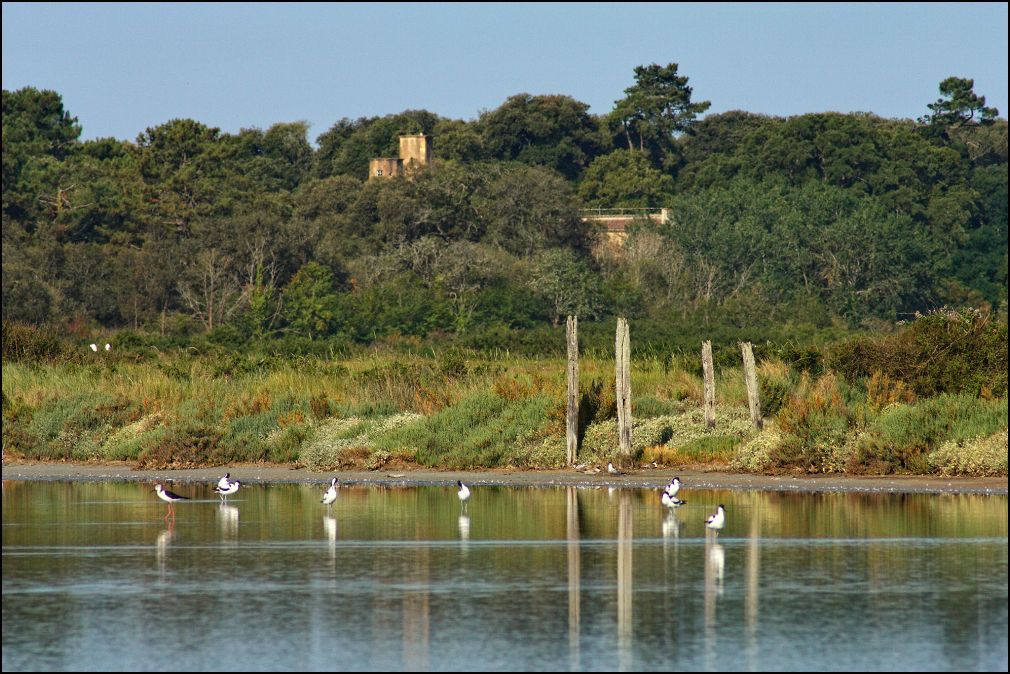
<point x="401" y="578"/>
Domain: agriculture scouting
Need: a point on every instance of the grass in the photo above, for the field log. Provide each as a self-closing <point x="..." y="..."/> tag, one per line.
<point x="465" y="409"/>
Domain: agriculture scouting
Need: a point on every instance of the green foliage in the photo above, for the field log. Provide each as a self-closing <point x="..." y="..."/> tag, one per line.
<point x="654" y="110"/>
<point x="625" y="178"/>
<point x="945" y="351"/>
<point x="902" y="438"/>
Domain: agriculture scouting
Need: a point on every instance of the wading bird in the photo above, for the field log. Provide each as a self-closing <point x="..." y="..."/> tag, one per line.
<point x="671" y="501"/>
<point x="170" y="498"/>
<point x="227" y="491"/>
<point x="673" y="487"/>
<point x="331" y="494"/>
<point x="717" y="520"/>
<point x="463" y="493"/>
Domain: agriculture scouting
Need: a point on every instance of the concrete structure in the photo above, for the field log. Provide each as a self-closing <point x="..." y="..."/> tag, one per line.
<point x="615" y="221"/>
<point x="415" y="153"/>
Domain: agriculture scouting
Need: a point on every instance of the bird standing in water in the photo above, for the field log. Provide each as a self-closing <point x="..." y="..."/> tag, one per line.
<point x="225" y="492"/>
<point x="463" y="493"/>
<point x="673" y="487"/>
<point x="170" y="498"/>
<point x="717" y="520"/>
<point x="671" y="501"/>
<point x="331" y="494"/>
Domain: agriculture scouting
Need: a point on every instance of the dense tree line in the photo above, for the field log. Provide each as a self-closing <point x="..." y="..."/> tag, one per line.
<point x="819" y="218"/>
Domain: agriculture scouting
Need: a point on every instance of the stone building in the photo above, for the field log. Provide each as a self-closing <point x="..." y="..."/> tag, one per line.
<point x="415" y="153"/>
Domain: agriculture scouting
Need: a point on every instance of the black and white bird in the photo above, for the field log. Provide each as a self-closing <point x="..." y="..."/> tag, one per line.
<point x="227" y="491"/>
<point x="612" y="470"/>
<point x="717" y="520"/>
<point x="224" y="481"/>
<point x="671" y="501"/>
<point x="331" y="494"/>
<point x="463" y="493"/>
<point x="673" y="487"/>
<point x="169" y="497"/>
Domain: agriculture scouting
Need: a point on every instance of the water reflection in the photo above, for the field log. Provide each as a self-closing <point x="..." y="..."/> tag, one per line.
<point x="416" y="584"/>
<point x="227" y="516"/>
<point x="625" y="527"/>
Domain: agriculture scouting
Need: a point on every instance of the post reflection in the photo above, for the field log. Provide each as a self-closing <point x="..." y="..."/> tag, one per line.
<point x="625" y="528"/>
<point x="574" y="590"/>
<point x="417" y="612"/>
<point x="753" y="573"/>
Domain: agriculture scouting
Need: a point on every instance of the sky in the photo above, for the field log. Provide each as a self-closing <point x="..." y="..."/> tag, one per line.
<point x="124" y="67"/>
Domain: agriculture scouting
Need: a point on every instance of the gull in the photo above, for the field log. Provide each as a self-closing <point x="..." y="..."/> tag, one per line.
<point x="331" y="494"/>
<point x="671" y="501"/>
<point x="227" y="491"/>
<point x="612" y="470"/>
<point x="673" y="487"/>
<point x="463" y="493"/>
<point x="170" y="498"/>
<point x="717" y="520"/>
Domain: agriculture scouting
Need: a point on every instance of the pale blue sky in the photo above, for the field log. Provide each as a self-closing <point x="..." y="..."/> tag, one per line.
<point x="124" y="67"/>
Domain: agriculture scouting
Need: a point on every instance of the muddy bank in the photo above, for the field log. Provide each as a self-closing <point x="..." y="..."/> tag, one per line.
<point x="643" y="478"/>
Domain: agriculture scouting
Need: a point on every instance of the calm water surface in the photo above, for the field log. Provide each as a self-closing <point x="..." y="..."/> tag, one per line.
<point x="94" y="578"/>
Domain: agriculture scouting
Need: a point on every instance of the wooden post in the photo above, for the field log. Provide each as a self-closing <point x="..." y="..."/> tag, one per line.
<point x="573" y="389"/>
<point x="622" y="383"/>
<point x="709" y="373"/>
<point x="750" y="378"/>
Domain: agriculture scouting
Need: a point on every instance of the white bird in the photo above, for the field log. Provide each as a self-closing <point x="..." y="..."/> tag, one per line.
<point x="94" y="347"/>
<point x="612" y="470"/>
<point x="673" y="487"/>
<point x="717" y="520"/>
<point x="108" y="347"/>
<point x="671" y="501"/>
<point x="229" y="490"/>
<point x="331" y="494"/>
<point x="169" y="497"/>
<point x="463" y="493"/>
<point x="224" y="481"/>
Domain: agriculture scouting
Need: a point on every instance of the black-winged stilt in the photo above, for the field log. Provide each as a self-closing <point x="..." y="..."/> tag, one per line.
<point x="463" y="493"/>
<point x="169" y="497"/>
<point x="331" y="494"/>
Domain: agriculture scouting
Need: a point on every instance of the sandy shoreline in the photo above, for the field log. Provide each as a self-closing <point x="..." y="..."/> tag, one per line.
<point x="643" y="478"/>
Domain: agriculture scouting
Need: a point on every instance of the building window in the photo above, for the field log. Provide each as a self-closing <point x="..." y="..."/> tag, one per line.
<point x="378" y="172"/>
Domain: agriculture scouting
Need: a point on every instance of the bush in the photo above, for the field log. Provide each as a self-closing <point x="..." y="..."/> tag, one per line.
<point x="945" y="351"/>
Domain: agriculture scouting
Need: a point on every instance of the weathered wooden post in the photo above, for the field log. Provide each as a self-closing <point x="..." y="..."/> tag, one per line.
<point x="709" y="374"/>
<point x="750" y="378"/>
<point x="573" y="389"/>
<point x="622" y="383"/>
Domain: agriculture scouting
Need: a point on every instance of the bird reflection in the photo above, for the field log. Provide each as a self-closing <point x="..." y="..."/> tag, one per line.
<point x="464" y="527"/>
<point x="330" y="526"/>
<point x="717" y="562"/>
<point x="671" y="527"/>
<point x="161" y="546"/>
<point x="227" y="515"/>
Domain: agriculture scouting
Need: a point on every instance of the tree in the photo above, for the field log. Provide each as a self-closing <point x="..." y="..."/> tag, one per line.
<point x="553" y="131"/>
<point x="960" y="106"/>
<point x="310" y="303"/>
<point x="655" y="110"/>
<point x="566" y="284"/>
<point x="624" y="178"/>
